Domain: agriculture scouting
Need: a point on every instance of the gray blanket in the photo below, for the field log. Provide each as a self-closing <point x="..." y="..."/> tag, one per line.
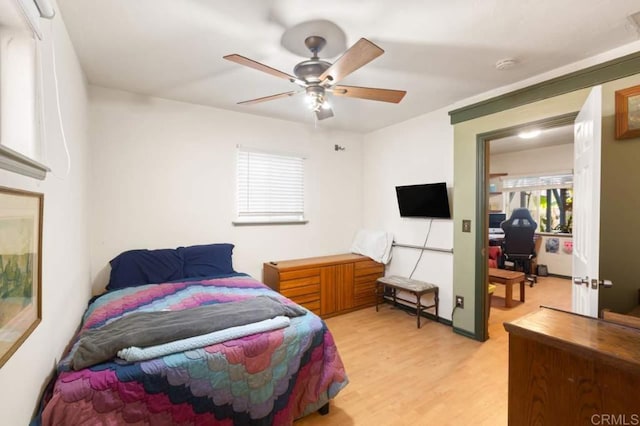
<point x="145" y="329"/>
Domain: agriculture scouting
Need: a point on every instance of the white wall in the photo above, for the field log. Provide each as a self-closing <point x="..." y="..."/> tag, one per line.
<point x="560" y="262"/>
<point x="413" y="152"/>
<point x="163" y="176"/>
<point x="547" y="159"/>
<point x="65" y="263"/>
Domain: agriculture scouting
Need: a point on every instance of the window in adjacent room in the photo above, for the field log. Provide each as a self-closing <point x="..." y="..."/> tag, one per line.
<point x="270" y="187"/>
<point x="548" y="197"/>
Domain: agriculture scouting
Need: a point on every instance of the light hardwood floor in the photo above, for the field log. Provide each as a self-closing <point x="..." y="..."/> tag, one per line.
<point x="400" y="375"/>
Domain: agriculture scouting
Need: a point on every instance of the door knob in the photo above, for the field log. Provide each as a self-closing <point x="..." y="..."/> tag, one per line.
<point x="580" y="281"/>
<point x="605" y="283"/>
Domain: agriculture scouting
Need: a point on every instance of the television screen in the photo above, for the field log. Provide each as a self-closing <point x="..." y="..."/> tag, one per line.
<point x="428" y="200"/>
<point x="495" y="219"/>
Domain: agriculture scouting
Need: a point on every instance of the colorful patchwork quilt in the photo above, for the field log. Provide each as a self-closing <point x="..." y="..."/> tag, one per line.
<point x="271" y="378"/>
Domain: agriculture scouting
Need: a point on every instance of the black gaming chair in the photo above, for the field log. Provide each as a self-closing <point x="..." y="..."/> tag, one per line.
<point x="518" y="245"/>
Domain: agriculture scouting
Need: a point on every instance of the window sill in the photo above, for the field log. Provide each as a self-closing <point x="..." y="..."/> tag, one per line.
<point x="554" y="234"/>
<point x="15" y="162"/>
<point x="268" y="222"/>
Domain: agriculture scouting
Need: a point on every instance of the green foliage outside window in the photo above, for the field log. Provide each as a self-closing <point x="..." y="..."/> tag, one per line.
<point x="551" y="208"/>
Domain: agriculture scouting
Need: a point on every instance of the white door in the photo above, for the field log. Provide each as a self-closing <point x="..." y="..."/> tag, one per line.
<point x="586" y="204"/>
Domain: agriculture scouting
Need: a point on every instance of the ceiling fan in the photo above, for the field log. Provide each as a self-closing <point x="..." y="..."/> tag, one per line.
<point x="317" y="77"/>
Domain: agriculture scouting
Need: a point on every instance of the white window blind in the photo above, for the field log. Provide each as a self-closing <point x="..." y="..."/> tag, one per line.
<point x="18" y="93"/>
<point x="537" y="182"/>
<point x="270" y="187"/>
<point x="21" y="79"/>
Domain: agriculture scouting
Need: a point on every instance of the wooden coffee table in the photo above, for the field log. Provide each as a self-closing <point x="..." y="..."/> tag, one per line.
<point x="508" y="278"/>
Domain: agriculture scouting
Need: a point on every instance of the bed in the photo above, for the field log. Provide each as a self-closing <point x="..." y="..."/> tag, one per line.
<point x="272" y="377"/>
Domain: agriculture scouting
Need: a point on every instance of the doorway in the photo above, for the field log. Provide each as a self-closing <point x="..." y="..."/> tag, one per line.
<point x="494" y="197"/>
<point x="533" y="170"/>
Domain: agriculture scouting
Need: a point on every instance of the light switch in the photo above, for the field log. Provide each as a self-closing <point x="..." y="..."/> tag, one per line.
<point x="466" y="225"/>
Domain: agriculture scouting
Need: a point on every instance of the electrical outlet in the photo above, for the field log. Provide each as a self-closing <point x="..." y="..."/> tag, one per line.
<point x="460" y="302"/>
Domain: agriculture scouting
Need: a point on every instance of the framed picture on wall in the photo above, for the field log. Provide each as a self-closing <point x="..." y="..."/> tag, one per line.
<point x="628" y="113"/>
<point x="20" y="267"/>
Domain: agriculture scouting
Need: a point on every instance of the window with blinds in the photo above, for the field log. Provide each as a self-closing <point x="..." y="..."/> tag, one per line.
<point x="21" y="106"/>
<point x="270" y="187"/>
<point x="548" y="196"/>
<point x="537" y="182"/>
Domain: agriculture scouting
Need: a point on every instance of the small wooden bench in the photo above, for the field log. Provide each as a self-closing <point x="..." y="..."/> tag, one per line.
<point x="418" y="288"/>
<point x="508" y="279"/>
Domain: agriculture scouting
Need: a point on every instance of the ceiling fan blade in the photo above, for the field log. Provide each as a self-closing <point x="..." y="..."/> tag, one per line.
<point x="323" y="113"/>
<point x="267" y="98"/>
<point x="356" y="56"/>
<point x="239" y="59"/>
<point x="384" y="95"/>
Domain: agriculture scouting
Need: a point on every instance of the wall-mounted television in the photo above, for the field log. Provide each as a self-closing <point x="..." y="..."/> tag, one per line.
<point x="427" y="200"/>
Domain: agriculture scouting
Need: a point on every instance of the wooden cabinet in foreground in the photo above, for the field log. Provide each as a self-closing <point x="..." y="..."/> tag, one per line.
<point x="567" y="369"/>
<point x="326" y="285"/>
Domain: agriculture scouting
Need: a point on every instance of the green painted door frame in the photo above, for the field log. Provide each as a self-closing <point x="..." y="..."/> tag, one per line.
<point x="615" y="69"/>
<point x="481" y="220"/>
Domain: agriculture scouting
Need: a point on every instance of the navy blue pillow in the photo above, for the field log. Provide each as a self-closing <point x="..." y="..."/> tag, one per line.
<point x="207" y="260"/>
<point x="140" y="267"/>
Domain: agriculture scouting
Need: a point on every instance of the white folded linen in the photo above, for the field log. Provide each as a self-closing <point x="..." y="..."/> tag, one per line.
<point x="135" y="353"/>
<point x="375" y="244"/>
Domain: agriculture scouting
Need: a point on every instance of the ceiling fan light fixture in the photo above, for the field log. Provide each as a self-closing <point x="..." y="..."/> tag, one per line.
<point x="311" y="69"/>
<point x="317" y="76"/>
<point x="315" y="103"/>
<point x="315" y="97"/>
<point x="311" y="101"/>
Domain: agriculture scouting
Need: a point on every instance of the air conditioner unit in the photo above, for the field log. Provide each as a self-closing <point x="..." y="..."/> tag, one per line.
<point x="32" y="10"/>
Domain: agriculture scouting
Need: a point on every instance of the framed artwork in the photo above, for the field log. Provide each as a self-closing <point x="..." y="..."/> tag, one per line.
<point x="20" y="267"/>
<point x="552" y="245"/>
<point x="628" y="113"/>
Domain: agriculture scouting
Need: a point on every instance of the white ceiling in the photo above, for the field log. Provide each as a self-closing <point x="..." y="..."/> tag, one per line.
<point x="439" y="51"/>
<point x="562" y="135"/>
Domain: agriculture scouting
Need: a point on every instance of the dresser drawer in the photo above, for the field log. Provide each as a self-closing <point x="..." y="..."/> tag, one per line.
<point x="369" y="267"/>
<point x="326" y="285"/>
<point x="363" y="286"/>
<point x="368" y="300"/>
<point x="313" y="306"/>
<point x="310" y="301"/>
<point x="299" y="273"/>
<point x="294" y="292"/>
<point x="365" y="291"/>
<point x="299" y="282"/>
<point x="306" y="299"/>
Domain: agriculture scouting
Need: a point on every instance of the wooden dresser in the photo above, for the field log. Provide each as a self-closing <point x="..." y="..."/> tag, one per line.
<point x="566" y="369"/>
<point x="327" y="285"/>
